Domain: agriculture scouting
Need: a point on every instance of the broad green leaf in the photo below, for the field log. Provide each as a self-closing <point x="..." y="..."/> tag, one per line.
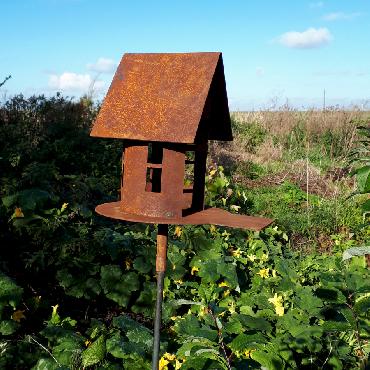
<point x="48" y="364"/>
<point x="190" y="326"/>
<point x="126" y="324"/>
<point x="363" y="179"/>
<point x="95" y="353"/>
<point x="256" y="323"/>
<point x="244" y="342"/>
<point x="8" y="327"/>
<point x="10" y="293"/>
<point x="68" y="350"/>
<point x="118" y="286"/>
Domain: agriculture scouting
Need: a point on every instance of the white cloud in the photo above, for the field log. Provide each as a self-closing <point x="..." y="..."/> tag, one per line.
<point x="69" y="81"/>
<point x="103" y="65"/>
<point x="260" y="71"/>
<point x="317" y="4"/>
<point x="340" y="16"/>
<point x="311" y="38"/>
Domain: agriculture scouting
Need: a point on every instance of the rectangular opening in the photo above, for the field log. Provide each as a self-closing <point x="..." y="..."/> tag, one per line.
<point x="189" y="171"/>
<point x="153" y="180"/>
<point x="155" y="153"/>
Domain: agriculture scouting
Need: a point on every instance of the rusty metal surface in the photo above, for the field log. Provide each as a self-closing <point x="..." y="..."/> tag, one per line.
<point x="138" y="198"/>
<point x="210" y="216"/>
<point x="177" y="98"/>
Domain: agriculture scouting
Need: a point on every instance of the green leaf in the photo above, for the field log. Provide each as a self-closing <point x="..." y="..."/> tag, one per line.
<point x="95" y="353"/>
<point x="68" y="350"/>
<point x="126" y="324"/>
<point x="145" y="303"/>
<point x="118" y="286"/>
<point x="8" y="327"/>
<point x="362" y="305"/>
<point x="246" y="341"/>
<point x="355" y="251"/>
<point x="366" y="206"/>
<point x="268" y="360"/>
<point x="48" y="364"/>
<point x="256" y="323"/>
<point x="142" y="265"/>
<point x="140" y="336"/>
<point x="190" y="326"/>
<point x="363" y="179"/>
<point x="10" y="293"/>
<point x="9" y="200"/>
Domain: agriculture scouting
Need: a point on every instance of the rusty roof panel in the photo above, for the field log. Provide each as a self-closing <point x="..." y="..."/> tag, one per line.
<point x="162" y="97"/>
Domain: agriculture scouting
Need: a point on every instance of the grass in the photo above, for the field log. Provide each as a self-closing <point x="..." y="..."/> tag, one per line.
<point x="295" y="167"/>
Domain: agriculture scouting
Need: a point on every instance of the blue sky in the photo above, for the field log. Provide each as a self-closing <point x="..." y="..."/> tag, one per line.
<point x="274" y="51"/>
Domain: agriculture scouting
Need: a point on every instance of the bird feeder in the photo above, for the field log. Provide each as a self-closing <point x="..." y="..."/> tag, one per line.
<point x="165" y="108"/>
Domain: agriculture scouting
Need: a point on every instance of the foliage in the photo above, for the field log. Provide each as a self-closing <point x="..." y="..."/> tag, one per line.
<point x="360" y="159"/>
<point x="77" y="290"/>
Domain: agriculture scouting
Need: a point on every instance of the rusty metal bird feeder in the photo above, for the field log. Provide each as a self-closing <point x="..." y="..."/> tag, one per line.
<point x="165" y="107"/>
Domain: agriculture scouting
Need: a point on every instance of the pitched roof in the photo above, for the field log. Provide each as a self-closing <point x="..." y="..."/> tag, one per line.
<point x="179" y="98"/>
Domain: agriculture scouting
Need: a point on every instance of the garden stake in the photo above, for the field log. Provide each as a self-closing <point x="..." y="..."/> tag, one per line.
<point x="166" y="107"/>
<point x="161" y="263"/>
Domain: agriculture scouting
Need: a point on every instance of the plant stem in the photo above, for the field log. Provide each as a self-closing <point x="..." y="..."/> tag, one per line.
<point x="220" y="338"/>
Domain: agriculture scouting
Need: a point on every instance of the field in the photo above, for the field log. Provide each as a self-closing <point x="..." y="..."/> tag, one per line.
<point x="77" y="290"/>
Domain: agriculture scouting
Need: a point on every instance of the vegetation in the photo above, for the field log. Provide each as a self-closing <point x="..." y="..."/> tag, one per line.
<point x="77" y="290"/>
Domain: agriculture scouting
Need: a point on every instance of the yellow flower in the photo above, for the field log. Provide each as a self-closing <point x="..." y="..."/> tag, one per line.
<point x="226" y="235"/>
<point x="18" y="213"/>
<point x="194" y="270"/>
<point x="128" y="264"/>
<point x="235" y="208"/>
<point x="232" y="307"/>
<point x="212" y="172"/>
<point x="18" y="315"/>
<point x="223" y="284"/>
<point x="165" y="360"/>
<point x="203" y="311"/>
<point x="252" y="257"/>
<point x="212" y="229"/>
<point x="178" y="231"/>
<point x="226" y="293"/>
<point x="178" y="364"/>
<point x="64" y="206"/>
<point x="279" y="310"/>
<point x="264" y="257"/>
<point x="87" y="342"/>
<point x="169" y="356"/>
<point x="55" y="309"/>
<point x="236" y="253"/>
<point x="163" y="363"/>
<point x="247" y="353"/>
<point x="178" y="282"/>
<point x="264" y="273"/>
<point x="276" y="300"/>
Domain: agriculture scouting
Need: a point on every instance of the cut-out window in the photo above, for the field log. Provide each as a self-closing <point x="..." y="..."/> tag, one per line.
<point x="189" y="171"/>
<point x="154" y="168"/>
<point x="155" y="153"/>
<point x="153" y="180"/>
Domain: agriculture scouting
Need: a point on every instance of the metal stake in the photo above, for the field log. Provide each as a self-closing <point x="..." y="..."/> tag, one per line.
<point x="161" y="262"/>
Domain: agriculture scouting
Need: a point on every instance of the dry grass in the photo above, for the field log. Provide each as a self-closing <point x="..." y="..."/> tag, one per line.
<point x="282" y="122"/>
<point x="308" y="148"/>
